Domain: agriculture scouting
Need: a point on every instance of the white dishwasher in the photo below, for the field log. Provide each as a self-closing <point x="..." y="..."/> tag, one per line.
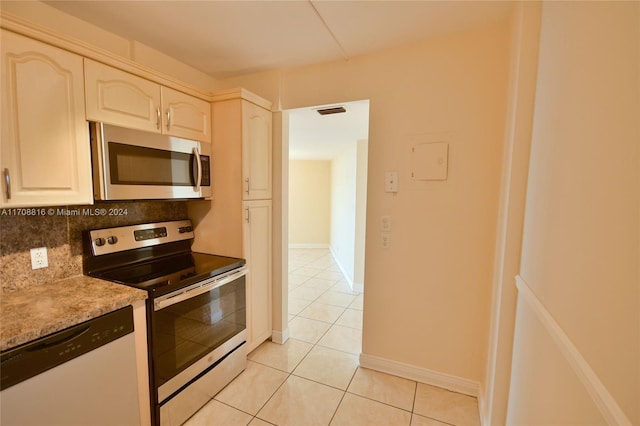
<point x="82" y="375"/>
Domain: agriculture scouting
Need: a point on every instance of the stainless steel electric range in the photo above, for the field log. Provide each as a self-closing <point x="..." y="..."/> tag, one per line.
<point x="196" y="316"/>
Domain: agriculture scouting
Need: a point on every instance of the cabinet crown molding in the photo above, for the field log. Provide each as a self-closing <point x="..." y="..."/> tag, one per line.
<point x="241" y="93"/>
<point x="35" y="31"/>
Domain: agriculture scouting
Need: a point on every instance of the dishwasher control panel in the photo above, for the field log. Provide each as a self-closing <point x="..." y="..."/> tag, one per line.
<point x="35" y="357"/>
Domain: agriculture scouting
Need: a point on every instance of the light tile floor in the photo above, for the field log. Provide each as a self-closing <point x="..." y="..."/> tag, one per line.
<point x="314" y="378"/>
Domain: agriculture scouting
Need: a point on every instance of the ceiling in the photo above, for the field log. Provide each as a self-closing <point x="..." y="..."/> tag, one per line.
<point x="323" y="137"/>
<point x="230" y="38"/>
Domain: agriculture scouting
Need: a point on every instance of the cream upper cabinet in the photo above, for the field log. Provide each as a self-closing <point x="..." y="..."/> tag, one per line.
<point x="185" y="116"/>
<point x="45" y="150"/>
<point x="256" y="151"/>
<point x="117" y="97"/>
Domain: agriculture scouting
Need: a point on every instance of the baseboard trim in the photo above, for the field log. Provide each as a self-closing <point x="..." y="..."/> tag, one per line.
<point x="344" y="274"/>
<point x="280" y="337"/>
<point x="605" y="402"/>
<point x="309" y="246"/>
<point x="422" y="375"/>
<point x="482" y="412"/>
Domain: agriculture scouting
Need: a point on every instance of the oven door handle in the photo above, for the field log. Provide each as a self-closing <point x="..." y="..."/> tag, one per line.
<point x="193" y="291"/>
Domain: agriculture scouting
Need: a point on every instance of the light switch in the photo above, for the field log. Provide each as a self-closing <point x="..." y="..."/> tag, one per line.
<point x="391" y="182"/>
<point x="386" y="223"/>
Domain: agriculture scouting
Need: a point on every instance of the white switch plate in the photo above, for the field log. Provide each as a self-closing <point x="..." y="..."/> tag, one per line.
<point x="39" y="258"/>
<point x="391" y="182"/>
<point x="386" y="223"/>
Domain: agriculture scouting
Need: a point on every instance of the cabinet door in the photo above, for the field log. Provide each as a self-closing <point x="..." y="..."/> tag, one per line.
<point x="256" y="151"/>
<point x="257" y="249"/>
<point x="45" y="145"/>
<point x="185" y="116"/>
<point x="119" y="98"/>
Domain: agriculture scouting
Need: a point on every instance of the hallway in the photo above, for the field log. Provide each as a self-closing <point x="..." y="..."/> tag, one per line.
<point x="322" y="308"/>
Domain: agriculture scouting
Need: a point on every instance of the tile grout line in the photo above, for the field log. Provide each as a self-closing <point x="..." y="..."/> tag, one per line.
<point x="289" y="374"/>
<point x="358" y="367"/>
<point x="315" y="344"/>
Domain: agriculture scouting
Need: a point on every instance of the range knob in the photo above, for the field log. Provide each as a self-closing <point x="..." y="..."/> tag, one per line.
<point x="112" y="239"/>
<point x="100" y="241"/>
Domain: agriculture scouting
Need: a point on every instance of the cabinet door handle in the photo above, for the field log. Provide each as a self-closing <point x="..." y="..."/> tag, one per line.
<point x="7" y="181"/>
<point x="168" y="118"/>
<point x="158" y="118"/>
<point x="246" y="185"/>
<point x="247" y="215"/>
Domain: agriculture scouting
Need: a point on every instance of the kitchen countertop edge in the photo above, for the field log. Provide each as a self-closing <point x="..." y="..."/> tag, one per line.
<point x="37" y="311"/>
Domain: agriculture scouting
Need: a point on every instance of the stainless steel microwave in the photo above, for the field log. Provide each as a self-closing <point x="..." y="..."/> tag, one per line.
<point x="136" y="165"/>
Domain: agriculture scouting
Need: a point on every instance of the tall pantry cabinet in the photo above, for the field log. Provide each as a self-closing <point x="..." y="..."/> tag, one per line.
<point x="237" y="221"/>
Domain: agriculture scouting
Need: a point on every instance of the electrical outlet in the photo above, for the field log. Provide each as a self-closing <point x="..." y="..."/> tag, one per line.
<point x="386" y="223"/>
<point x="39" y="258"/>
<point x="386" y="240"/>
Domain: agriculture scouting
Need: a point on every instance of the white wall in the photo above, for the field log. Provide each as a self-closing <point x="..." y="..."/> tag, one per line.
<point x="343" y="209"/>
<point x="576" y="357"/>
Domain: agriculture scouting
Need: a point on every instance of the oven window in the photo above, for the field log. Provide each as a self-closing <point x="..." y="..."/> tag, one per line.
<point x="185" y="332"/>
<point x="137" y="165"/>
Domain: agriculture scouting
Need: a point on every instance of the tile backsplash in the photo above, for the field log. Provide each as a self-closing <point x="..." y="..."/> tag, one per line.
<point x="59" y="229"/>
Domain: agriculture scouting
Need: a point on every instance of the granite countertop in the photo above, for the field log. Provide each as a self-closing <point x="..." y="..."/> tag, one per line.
<point x="40" y="310"/>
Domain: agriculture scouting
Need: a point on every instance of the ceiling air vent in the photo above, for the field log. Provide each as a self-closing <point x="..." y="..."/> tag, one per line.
<point x="332" y="110"/>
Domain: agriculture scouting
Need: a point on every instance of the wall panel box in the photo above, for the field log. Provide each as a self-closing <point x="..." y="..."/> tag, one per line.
<point x="429" y="161"/>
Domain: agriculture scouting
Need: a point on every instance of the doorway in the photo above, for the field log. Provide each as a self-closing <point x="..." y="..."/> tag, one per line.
<point x="328" y="150"/>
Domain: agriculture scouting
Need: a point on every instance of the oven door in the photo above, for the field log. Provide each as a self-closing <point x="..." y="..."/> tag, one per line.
<point x="131" y="164"/>
<point x="195" y="327"/>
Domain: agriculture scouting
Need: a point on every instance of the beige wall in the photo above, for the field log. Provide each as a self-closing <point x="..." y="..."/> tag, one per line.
<point x="579" y="297"/>
<point x="427" y="297"/>
<point x="309" y="203"/>
<point x="525" y="35"/>
<point x="577" y="334"/>
<point x="361" y="213"/>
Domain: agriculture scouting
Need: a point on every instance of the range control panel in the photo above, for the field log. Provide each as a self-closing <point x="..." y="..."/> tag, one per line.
<point x="113" y="240"/>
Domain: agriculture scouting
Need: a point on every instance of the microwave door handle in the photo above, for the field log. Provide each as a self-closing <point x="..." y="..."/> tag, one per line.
<point x="196" y="153"/>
